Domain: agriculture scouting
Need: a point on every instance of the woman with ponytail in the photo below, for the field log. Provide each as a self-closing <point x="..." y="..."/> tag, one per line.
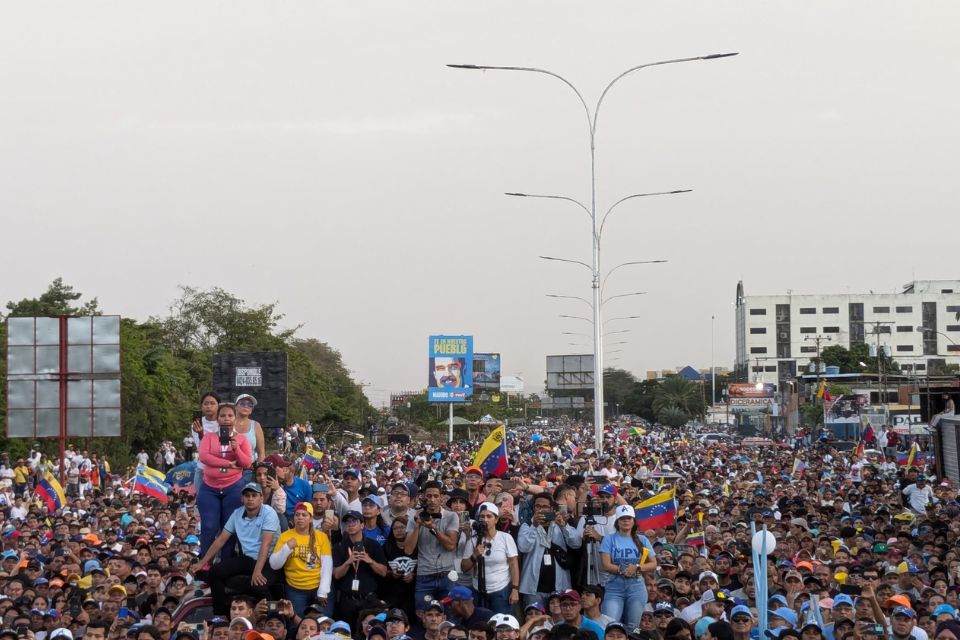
<point x="305" y="556"/>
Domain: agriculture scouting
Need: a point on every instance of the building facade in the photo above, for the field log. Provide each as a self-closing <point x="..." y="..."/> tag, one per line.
<point x="778" y="336"/>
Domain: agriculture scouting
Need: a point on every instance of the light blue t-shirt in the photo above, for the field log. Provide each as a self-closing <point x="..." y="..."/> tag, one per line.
<point x="249" y="530"/>
<point x="623" y="549"/>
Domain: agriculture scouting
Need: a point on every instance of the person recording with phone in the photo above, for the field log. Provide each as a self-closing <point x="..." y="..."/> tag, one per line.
<point x="358" y="565"/>
<point x="265" y="474"/>
<point x="545" y="544"/>
<point x="493" y="554"/>
<point x="434" y="536"/>
<point x="225" y="457"/>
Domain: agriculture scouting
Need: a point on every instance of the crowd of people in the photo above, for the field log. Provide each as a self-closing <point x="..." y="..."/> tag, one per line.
<point x="416" y="541"/>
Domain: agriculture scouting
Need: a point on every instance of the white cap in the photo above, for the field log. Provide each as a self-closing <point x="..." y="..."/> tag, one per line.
<point x="624" y="511"/>
<point x="504" y="620"/>
<point x="61" y="633"/>
<point x="245" y="396"/>
<point x="492" y="508"/>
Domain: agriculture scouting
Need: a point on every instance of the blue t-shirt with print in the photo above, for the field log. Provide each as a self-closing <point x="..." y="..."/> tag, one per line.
<point x="623" y="549"/>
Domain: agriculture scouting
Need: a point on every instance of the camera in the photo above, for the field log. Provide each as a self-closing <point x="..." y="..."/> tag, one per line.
<point x="224" y="436"/>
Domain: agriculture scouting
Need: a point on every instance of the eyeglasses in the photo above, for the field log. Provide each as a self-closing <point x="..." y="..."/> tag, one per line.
<point x="570" y="604"/>
<point x="742" y="619"/>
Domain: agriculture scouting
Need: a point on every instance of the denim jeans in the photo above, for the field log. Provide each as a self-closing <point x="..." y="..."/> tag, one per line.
<point x="624" y="600"/>
<point x="300" y="598"/>
<point x="435" y="586"/>
<point x="498" y="601"/>
<point x="216" y="507"/>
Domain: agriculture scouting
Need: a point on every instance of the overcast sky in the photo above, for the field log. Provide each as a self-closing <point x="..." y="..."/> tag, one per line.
<point x="321" y="155"/>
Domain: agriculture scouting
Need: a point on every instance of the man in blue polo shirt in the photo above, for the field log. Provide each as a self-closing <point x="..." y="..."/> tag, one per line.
<point x="256" y="526"/>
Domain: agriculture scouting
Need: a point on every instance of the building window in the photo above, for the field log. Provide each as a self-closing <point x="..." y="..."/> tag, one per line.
<point x="883" y="328"/>
<point x="905" y="328"/>
<point x="808" y="349"/>
<point x="946" y="290"/>
<point x="953" y="327"/>
<point x="758" y="329"/>
<point x="881" y="309"/>
<point x="953" y="347"/>
<point x="806" y="311"/>
<point x="758" y="312"/>
<point x="904" y="309"/>
<point x="831" y="310"/>
<point x="904" y="347"/>
<point x="758" y="349"/>
<point x="770" y="368"/>
<point x="953" y="308"/>
<point x="920" y="367"/>
<point x="757" y="369"/>
<point x="831" y="329"/>
<point x="808" y="329"/>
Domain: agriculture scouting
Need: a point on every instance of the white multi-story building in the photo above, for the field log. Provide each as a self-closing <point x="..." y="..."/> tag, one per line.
<point x="777" y="335"/>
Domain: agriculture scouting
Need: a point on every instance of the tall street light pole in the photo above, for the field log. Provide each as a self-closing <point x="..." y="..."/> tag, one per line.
<point x="592" y="117"/>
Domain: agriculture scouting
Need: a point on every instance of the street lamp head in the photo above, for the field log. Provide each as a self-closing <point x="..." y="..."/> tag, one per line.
<point x="515" y="195"/>
<point x="923" y="329"/>
<point x="714" y="56"/>
<point x="758" y="386"/>
<point x="464" y="66"/>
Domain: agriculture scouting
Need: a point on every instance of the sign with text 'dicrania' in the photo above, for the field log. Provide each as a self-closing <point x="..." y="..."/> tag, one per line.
<point x="450" y="378"/>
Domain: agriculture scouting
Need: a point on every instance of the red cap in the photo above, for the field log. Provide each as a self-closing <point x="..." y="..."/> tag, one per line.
<point x="473" y="469"/>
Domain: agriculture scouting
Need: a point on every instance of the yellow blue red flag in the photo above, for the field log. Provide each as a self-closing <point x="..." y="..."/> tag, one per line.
<point x="492" y="456"/>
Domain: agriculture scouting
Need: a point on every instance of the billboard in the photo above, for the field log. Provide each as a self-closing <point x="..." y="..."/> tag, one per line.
<point x="63" y="377"/>
<point x="450" y="374"/>
<point x="750" y="390"/>
<point x="511" y="384"/>
<point x="486" y="371"/>
<point x="566" y="373"/>
<point x="263" y="375"/>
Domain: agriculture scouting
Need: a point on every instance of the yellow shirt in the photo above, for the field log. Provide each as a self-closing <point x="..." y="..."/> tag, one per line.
<point x="302" y="568"/>
<point x="20" y="475"/>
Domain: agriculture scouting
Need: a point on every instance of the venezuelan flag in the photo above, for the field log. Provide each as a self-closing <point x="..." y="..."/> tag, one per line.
<point x="658" y="511"/>
<point x="311" y="459"/>
<point x="153" y="474"/>
<point x="492" y="456"/>
<point x="696" y="539"/>
<point x="52" y="493"/>
<point x="148" y="484"/>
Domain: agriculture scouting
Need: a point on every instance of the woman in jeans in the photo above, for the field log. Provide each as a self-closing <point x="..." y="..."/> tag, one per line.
<point x="224" y="464"/>
<point x="306" y="559"/>
<point x="494" y="555"/>
<point x="625" y="556"/>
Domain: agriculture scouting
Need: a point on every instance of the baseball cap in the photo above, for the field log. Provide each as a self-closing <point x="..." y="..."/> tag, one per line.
<point x="708" y="574"/>
<point x="615" y="625"/>
<point x="624" y="511"/>
<point x="663" y="606"/>
<point x="252" y="486"/>
<point x="278" y="460"/>
<point x="904" y="611"/>
<point x="340" y="625"/>
<point x="785" y="614"/>
<point x="608" y="489"/>
<point x="474" y="470"/>
<point x="245" y="396"/>
<point x="740" y="610"/>
<point x="944" y="609"/>
<point x="458" y="594"/>
<point x="712" y="595"/>
<point x="570" y="594"/>
<point x="352" y="515"/>
<point x="841" y="598"/>
<point x="505" y="620"/>
<point x="434" y="604"/>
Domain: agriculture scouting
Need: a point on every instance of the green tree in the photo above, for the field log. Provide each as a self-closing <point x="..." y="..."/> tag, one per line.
<point x="57" y="300"/>
<point x="676" y="393"/>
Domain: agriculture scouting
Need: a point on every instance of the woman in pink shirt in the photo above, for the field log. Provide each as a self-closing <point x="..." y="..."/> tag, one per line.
<point x="224" y="463"/>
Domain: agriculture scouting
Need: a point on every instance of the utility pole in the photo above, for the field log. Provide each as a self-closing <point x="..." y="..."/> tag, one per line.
<point x="818" y="339"/>
<point x="881" y="385"/>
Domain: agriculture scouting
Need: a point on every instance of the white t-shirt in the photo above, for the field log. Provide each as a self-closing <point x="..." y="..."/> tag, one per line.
<point x="496" y="566"/>
<point x="919" y="498"/>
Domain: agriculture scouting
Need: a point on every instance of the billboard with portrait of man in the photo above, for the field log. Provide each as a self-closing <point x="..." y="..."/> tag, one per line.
<point x="450" y="376"/>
